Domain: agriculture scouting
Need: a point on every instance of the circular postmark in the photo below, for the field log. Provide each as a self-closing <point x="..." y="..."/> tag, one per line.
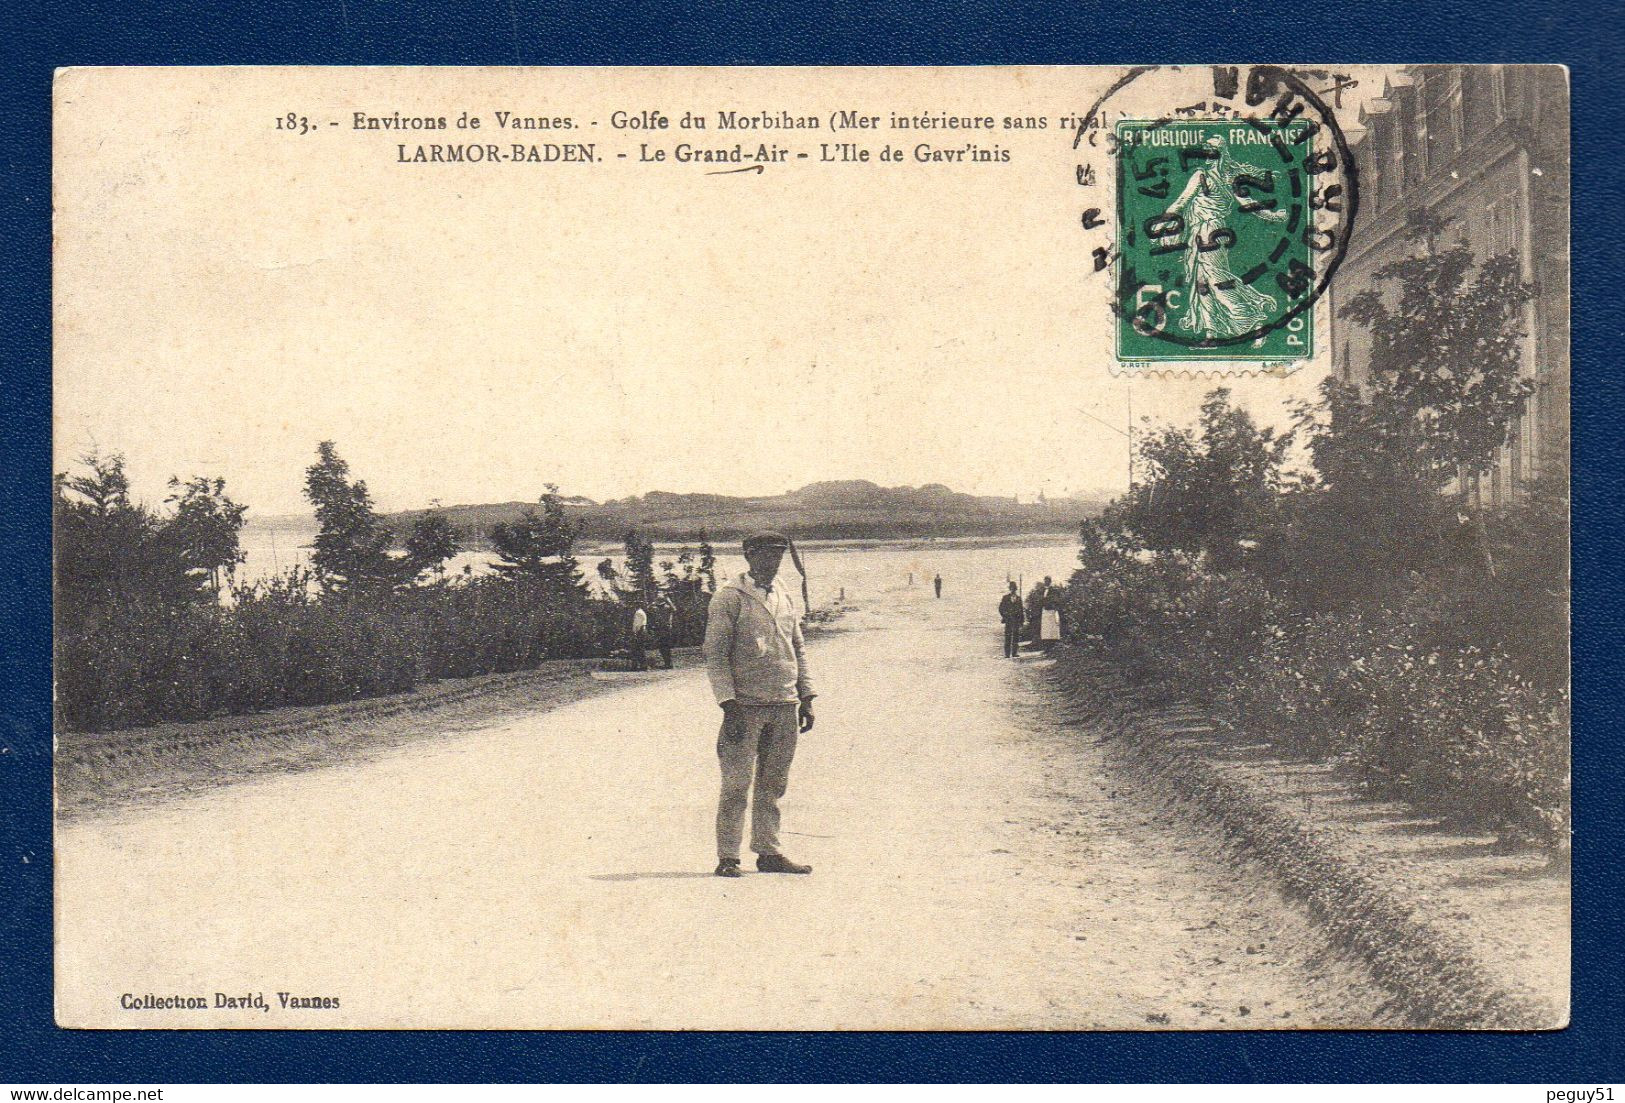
<point x="1221" y="201"/>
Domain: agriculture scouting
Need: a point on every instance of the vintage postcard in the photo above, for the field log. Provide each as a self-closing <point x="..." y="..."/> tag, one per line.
<point x="812" y="548"/>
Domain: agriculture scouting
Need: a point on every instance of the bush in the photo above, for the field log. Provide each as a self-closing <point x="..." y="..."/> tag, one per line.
<point x="1455" y="726"/>
<point x="277" y="644"/>
<point x="1164" y="619"/>
<point x="1462" y="733"/>
<point x="143" y="636"/>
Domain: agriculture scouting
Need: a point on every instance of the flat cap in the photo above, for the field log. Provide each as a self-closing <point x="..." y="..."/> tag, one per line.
<point x="766" y="540"/>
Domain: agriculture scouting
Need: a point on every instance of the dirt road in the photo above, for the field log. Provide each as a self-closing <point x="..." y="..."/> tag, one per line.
<point x="976" y="866"/>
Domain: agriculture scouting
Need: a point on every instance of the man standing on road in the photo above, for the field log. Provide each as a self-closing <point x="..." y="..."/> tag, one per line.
<point x="1011" y="612"/>
<point x="937" y="582"/>
<point x="757" y="662"/>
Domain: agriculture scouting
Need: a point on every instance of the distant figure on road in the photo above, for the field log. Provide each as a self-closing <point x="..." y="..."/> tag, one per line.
<point x="1011" y="613"/>
<point x="640" y="637"/>
<point x="1049" y="628"/>
<point x="663" y="622"/>
<point x="937" y="582"/>
<point x="757" y="662"/>
<point x="1037" y="600"/>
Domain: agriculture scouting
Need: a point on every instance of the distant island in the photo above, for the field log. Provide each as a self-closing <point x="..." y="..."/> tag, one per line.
<point x="852" y="509"/>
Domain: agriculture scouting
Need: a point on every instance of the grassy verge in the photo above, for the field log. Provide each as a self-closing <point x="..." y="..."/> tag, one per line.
<point x="1432" y="959"/>
<point x="100" y="772"/>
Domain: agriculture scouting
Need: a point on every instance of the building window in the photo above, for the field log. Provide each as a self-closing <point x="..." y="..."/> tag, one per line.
<point x="1504" y="226"/>
<point x="1454" y="117"/>
<point x="1379" y="157"/>
<point x="1538" y="413"/>
<point x="1418" y="132"/>
<point x="1478" y="100"/>
<point x="1515" y="458"/>
<point x="1441" y="114"/>
<point x="1396" y="158"/>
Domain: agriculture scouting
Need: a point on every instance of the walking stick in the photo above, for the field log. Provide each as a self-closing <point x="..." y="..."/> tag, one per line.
<point x="801" y="569"/>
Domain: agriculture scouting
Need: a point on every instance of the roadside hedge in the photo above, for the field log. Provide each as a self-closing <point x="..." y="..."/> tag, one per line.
<point x="123" y="665"/>
<point x="1455" y="726"/>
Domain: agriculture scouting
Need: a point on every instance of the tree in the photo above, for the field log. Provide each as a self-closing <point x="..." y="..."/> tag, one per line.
<point x="207" y="526"/>
<point x="352" y="549"/>
<point x="1210" y="488"/>
<point x="537" y="547"/>
<point x="708" y="561"/>
<point x="110" y="549"/>
<point x="1445" y="386"/>
<point x="104" y="488"/>
<point x="640" y="565"/>
<point x="432" y="541"/>
<point x="1446" y="352"/>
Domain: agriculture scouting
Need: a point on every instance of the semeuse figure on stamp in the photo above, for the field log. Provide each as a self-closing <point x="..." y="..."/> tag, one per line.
<point x="1218" y="304"/>
<point x="756" y="659"/>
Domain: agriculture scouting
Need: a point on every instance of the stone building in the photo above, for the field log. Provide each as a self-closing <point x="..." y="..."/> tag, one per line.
<point x="1484" y="148"/>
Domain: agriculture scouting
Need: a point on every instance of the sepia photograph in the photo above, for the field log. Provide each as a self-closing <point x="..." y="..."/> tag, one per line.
<point x="1009" y="548"/>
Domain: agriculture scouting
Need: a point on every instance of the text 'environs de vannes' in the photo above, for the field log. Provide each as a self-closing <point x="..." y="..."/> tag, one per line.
<point x="653" y="121"/>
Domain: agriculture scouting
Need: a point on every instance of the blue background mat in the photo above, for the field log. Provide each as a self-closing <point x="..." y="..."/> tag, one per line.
<point x="391" y="32"/>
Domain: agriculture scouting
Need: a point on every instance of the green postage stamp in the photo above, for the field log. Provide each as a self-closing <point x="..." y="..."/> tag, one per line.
<point x="1216" y="263"/>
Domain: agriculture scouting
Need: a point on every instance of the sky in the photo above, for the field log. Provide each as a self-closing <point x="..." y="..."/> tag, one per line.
<point x="229" y="295"/>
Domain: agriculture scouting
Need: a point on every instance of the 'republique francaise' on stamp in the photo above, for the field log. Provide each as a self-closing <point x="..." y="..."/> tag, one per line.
<point x="1233" y="197"/>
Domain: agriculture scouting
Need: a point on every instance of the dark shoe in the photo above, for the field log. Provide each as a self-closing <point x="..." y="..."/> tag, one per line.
<point x="729" y="867"/>
<point x="778" y="863"/>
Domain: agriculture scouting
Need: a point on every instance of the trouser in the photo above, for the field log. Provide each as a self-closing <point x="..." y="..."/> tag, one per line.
<point x="764" y="750"/>
<point x="640" y="649"/>
<point x="663" y="641"/>
<point x="1012" y="638"/>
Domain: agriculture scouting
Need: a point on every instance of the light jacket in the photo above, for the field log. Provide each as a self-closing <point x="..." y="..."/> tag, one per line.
<point x="754" y="650"/>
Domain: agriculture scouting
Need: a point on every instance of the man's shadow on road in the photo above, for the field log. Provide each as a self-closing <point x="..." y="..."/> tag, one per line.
<point x="678" y="875"/>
